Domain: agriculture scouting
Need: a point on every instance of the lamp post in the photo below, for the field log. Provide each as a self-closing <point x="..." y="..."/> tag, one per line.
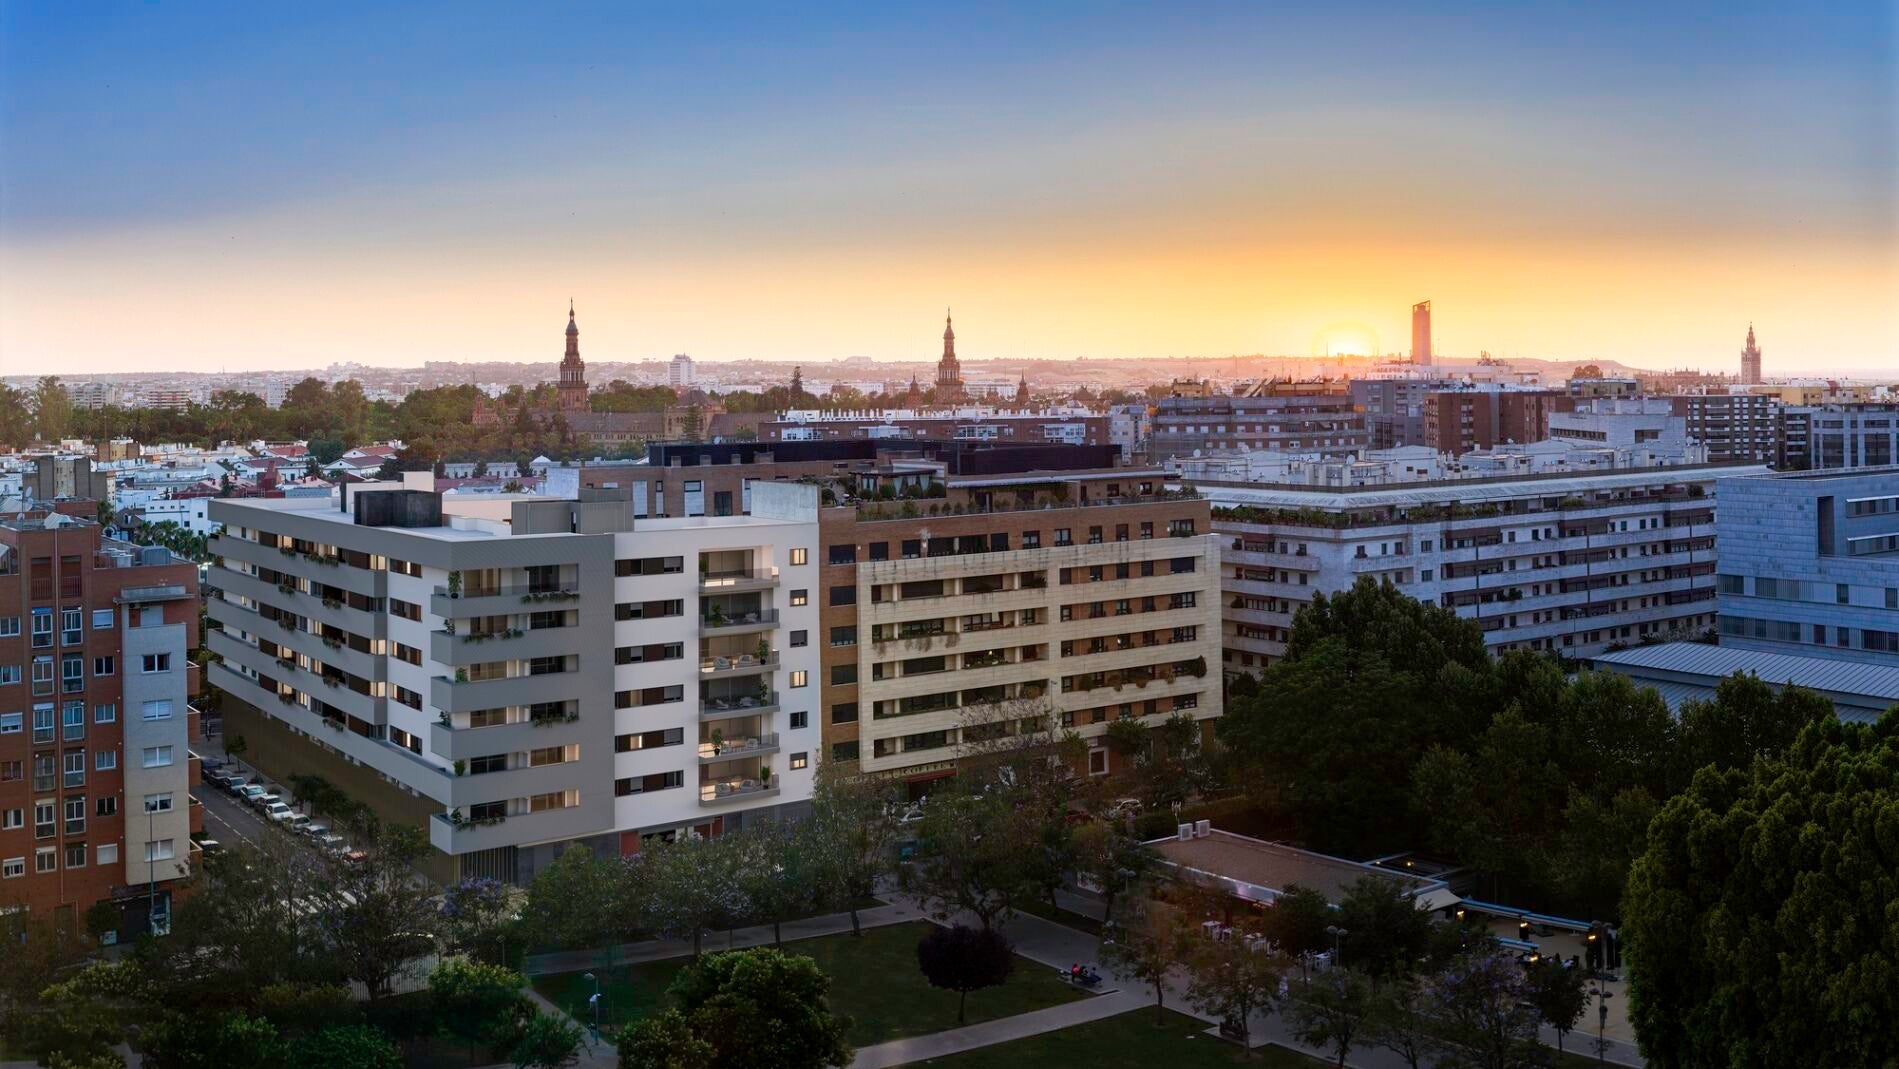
<point x="1336" y="933"/>
<point x="594" y="1002"/>
<point x="1603" y="995"/>
<point x="151" y="866"/>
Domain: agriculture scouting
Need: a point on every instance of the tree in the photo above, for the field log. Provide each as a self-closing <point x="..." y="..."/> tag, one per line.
<point x="475" y="1002"/>
<point x="1400" y="1022"/>
<point x="1386" y="934"/>
<point x="1746" y="719"/>
<point x="200" y="1040"/>
<point x="694" y="887"/>
<point x="351" y="1046"/>
<point x="1759" y="920"/>
<point x="377" y="915"/>
<point x="546" y="1042"/>
<point x="1298" y="921"/>
<point x="1149" y="945"/>
<point x="847" y="839"/>
<point x="1557" y="992"/>
<point x="964" y="959"/>
<point x="774" y="874"/>
<point x="1232" y="979"/>
<point x="475" y="915"/>
<point x="978" y="856"/>
<point x="52" y="408"/>
<point x="571" y="903"/>
<point x="1111" y="859"/>
<point x="1371" y="678"/>
<point x="1481" y="1003"/>
<point x="759" y="1007"/>
<point x="1332" y="1009"/>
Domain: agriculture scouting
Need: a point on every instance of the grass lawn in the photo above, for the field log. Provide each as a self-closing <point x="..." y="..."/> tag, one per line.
<point x="1132" y="1040"/>
<point x="874" y="981"/>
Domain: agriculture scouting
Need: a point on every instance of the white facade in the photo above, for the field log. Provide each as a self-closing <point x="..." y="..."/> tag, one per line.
<point x="679" y="373"/>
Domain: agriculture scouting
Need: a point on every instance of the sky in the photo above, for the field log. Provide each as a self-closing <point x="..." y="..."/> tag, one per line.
<point x="196" y="186"/>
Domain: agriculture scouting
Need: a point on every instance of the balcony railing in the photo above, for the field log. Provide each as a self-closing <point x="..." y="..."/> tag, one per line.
<point x="738" y="704"/>
<point x="738" y="580"/>
<point x="739" y="747"/>
<point x="745" y="662"/>
<point x="710" y="624"/>
<point x="735" y="789"/>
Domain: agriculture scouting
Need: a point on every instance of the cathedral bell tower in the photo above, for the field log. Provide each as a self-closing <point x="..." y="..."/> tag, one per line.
<point x="573" y="372"/>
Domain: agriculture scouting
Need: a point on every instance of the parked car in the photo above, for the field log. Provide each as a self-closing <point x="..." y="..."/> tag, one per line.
<point x="235" y="783"/>
<point x="1124" y="807"/>
<point x="210" y="846"/>
<point x="263" y="798"/>
<point x="332" y="843"/>
<point x="278" y="811"/>
<point x="250" y="792"/>
<point x="296" y="821"/>
<point x="314" y="830"/>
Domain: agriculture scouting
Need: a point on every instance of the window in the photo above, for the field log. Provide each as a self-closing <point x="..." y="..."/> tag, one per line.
<point x="801" y="555"/>
<point x="43" y="721"/>
<point x="162" y="850"/>
<point x="1098" y="762"/>
<point x="879" y="551"/>
<point x="9" y="626"/>
<point x="843" y="674"/>
<point x="12" y="867"/>
<point x="407" y="654"/>
<point x="72" y="721"/>
<point x="74" y="762"/>
<point x="106" y="854"/>
<point x="1063" y="538"/>
<point x="800" y="760"/>
<point x="72" y="672"/>
<point x="801" y="597"/>
<point x="103" y="666"/>
<point x="158" y="803"/>
<point x="844" y="751"/>
<point x="408" y="610"/>
<point x="108" y="805"/>
<point x="42" y="628"/>
<point x="45" y="859"/>
<point x="9" y="673"/>
<point x="101" y="619"/>
<point x="43" y="827"/>
<point x="800" y="678"/>
<point x="800" y="720"/>
<point x="105" y="713"/>
<point x="12" y="818"/>
<point x="844" y="636"/>
<point x="156" y="756"/>
<point x="159" y="709"/>
<point x="843" y="595"/>
<point x="156" y="662"/>
<point x="1031" y="540"/>
<point x="844" y="713"/>
<point x="844" y="553"/>
<point x="649" y="566"/>
<point x="12" y="723"/>
<point x="649" y="740"/>
<point x="658" y="781"/>
<point x="76" y="815"/>
<point x="72" y="627"/>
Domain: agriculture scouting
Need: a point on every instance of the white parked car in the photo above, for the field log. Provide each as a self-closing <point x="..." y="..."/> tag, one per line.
<point x="314" y="830"/>
<point x="250" y="792"/>
<point x="278" y="811"/>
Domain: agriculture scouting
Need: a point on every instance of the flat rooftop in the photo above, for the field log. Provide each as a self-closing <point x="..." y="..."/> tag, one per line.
<point x="1690" y="671"/>
<point x="1261" y="871"/>
<point x="1462" y="491"/>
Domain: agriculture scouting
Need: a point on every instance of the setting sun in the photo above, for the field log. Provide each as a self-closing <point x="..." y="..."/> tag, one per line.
<point x="1348" y="338"/>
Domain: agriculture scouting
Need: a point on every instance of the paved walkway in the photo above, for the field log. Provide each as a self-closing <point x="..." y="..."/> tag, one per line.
<point x="1001" y="1030"/>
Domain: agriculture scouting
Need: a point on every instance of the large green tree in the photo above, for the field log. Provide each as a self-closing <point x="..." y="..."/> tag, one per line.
<point x="1370" y="680"/>
<point x="1762" y="921"/>
<point x="760" y="1008"/>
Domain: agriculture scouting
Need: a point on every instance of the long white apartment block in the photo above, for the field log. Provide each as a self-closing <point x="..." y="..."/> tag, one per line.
<point x="541" y="671"/>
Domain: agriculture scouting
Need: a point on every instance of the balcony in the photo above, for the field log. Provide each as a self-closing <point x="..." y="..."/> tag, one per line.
<point x="451" y="743"/>
<point x="731" y="582"/>
<point x="741" y="665"/>
<point x="723" y="791"/>
<point x="467" y="695"/>
<point x="498" y="601"/>
<point x="511" y="645"/>
<point x="727" y="707"/>
<point x="469" y="836"/>
<point x="738" y="623"/>
<point x="729" y="749"/>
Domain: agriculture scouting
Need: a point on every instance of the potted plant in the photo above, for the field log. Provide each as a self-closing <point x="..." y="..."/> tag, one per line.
<point x="718" y="742"/>
<point x="460" y="767"/>
<point x="461" y="675"/>
<point x="454" y="584"/>
<point x="764" y="775"/>
<point x="764" y="651"/>
<point x="716" y="618"/>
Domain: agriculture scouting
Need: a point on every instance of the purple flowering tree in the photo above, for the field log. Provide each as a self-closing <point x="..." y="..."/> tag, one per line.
<point x="1482" y="1000"/>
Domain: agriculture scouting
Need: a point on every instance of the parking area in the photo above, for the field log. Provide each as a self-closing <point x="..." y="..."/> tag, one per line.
<point x="235" y="823"/>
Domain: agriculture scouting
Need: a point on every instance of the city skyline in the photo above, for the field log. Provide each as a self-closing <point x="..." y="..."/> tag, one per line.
<point x="209" y="189"/>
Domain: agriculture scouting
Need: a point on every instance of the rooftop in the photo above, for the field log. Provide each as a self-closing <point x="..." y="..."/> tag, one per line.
<point x="1685" y="671"/>
<point x="1261" y="871"/>
<point x="1464" y="492"/>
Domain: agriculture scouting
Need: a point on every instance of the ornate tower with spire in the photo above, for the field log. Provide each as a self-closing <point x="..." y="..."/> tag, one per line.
<point x="573" y="372"/>
<point x="949" y="372"/>
<point x="914" y="398"/>
<point x="1751" y="360"/>
<point x="1022" y="392"/>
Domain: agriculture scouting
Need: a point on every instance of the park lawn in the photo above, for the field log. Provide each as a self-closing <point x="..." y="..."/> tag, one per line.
<point x="874" y="981"/>
<point x="1132" y="1040"/>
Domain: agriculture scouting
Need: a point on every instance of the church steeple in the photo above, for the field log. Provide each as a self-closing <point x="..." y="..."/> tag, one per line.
<point x="949" y="372"/>
<point x="1751" y="360"/>
<point x="573" y="371"/>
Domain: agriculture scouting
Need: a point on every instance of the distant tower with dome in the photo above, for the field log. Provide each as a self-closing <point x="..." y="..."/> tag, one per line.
<point x="949" y="371"/>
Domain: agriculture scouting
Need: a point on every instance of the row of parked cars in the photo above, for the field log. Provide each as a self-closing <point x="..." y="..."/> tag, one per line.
<point x="276" y="805"/>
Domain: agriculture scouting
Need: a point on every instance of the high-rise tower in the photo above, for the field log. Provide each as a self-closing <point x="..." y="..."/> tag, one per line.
<point x="1421" y="333"/>
<point x="1751" y="360"/>
<point x="573" y="372"/>
<point x="949" y="372"/>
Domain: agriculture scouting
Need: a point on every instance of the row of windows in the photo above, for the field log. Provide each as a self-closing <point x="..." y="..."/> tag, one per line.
<point x="1798" y="590"/>
<point x="1097" y="573"/>
<point x="71" y="625"/>
<point x="1871" y="640"/>
<point x="46" y="858"/>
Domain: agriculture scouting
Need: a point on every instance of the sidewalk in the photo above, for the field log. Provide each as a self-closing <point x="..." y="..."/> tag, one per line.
<point x="1001" y="1030"/>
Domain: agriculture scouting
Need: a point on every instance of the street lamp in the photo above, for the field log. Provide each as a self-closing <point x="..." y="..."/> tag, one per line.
<point x="1336" y="933"/>
<point x="151" y="866"/>
<point x="1603" y="995"/>
<point x="594" y="1002"/>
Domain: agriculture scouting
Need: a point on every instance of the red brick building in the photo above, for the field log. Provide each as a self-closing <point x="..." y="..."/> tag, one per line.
<point x="95" y="720"/>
